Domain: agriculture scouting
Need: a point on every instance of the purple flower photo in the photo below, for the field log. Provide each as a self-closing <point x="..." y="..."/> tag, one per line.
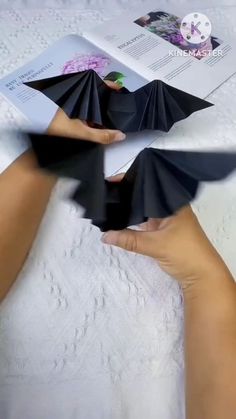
<point x="96" y="62"/>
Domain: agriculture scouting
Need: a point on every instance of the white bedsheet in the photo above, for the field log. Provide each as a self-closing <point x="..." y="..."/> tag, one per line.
<point x="91" y="332"/>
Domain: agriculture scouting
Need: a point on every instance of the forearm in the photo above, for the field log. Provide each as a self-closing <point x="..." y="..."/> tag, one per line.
<point x="210" y="347"/>
<point x="24" y="194"/>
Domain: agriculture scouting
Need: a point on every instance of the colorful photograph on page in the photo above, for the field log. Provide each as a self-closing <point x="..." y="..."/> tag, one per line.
<point x="168" y="27"/>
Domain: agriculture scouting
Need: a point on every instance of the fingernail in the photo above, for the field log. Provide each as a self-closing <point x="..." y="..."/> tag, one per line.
<point x="120" y="136"/>
<point x="107" y="238"/>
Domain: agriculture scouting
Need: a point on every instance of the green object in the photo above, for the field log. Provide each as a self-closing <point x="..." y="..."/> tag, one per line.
<point x="152" y="29"/>
<point x="115" y="77"/>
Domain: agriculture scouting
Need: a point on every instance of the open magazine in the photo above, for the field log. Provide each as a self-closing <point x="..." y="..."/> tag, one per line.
<point x="131" y="51"/>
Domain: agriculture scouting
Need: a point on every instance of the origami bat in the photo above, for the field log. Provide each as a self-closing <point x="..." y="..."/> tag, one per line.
<point x="84" y="95"/>
<point x="158" y="183"/>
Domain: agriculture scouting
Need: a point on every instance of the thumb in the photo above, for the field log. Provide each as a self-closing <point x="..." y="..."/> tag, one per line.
<point x="133" y="241"/>
<point x="103" y="136"/>
<point x="112" y="85"/>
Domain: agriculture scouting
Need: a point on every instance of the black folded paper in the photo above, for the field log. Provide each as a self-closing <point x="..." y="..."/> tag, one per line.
<point x="158" y="183"/>
<point x="77" y="159"/>
<point x="84" y="95"/>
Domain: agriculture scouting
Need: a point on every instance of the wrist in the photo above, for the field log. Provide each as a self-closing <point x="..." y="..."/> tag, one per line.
<point x="217" y="280"/>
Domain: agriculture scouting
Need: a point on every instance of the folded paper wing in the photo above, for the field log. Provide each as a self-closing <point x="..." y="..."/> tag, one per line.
<point x="155" y="106"/>
<point x="77" y="159"/>
<point x="84" y="95"/>
<point x="158" y="183"/>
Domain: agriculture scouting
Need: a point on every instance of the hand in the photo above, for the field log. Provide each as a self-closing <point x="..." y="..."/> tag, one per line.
<point x="62" y="125"/>
<point x="178" y="243"/>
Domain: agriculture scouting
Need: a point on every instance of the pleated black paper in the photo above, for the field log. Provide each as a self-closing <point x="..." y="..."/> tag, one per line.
<point x="84" y="95"/>
<point x="158" y="183"/>
<point x="77" y="159"/>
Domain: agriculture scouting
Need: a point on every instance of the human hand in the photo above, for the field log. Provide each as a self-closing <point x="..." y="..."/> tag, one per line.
<point x="64" y="126"/>
<point x="178" y="243"/>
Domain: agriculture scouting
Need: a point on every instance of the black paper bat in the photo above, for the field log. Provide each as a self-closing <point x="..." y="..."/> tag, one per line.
<point x="158" y="183"/>
<point x="84" y="95"/>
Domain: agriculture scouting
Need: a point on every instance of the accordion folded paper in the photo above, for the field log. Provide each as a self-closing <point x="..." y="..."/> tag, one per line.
<point x="84" y="95"/>
<point x="158" y="183"/>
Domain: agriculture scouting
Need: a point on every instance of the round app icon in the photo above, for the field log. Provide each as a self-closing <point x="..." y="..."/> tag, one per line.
<point x="196" y="28"/>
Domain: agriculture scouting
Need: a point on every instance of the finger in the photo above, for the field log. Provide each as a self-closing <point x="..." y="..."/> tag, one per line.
<point x="144" y="226"/>
<point x="116" y="178"/>
<point x="58" y="122"/>
<point x="103" y="136"/>
<point x="133" y="241"/>
<point x="185" y="211"/>
<point x="152" y="224"/>
<point x="112" y="85"/>
<point x="62" y="125"/>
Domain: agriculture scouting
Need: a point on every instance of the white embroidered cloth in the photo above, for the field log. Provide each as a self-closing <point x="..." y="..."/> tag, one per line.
<point x="89" y="331"/>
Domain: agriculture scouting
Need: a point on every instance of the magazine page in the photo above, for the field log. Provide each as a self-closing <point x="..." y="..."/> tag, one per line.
<point x="68" y="55"/>
<point x="71" y="54"/>
<point x="181" y="50"/>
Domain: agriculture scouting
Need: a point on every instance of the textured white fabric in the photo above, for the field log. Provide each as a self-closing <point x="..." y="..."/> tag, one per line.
<point x="89" y="331"/>
<point x="107" y="4"/>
